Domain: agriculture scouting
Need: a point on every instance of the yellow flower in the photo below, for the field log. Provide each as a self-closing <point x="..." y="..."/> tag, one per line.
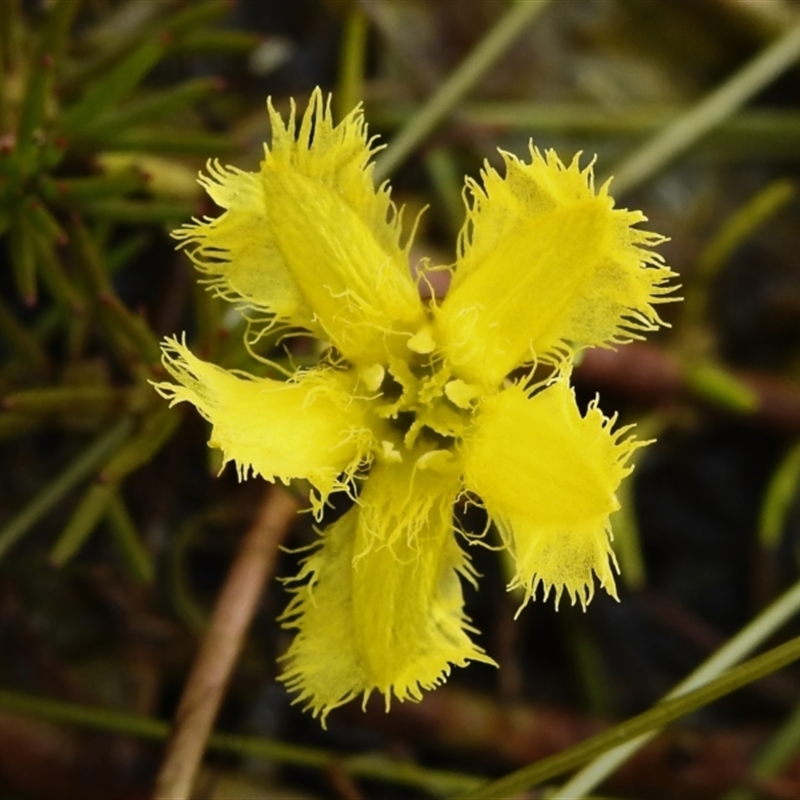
<point x="412" y="404"/>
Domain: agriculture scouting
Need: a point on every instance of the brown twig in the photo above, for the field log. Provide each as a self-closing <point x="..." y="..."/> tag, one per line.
<point x="653" y="374"/>
<point x="221" y="645"/>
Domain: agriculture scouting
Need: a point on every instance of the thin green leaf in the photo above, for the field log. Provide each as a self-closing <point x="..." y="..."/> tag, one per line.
<point x="154" y="433"/>
<point x="496" y="41"/>
<point x="153" y="106"/>
<point x="134" y="211"/>
<point x="71" y="191"/>
<point x="23" y="259"/>
<point x="736" y="230"/>
<point x="781" y="492"/>
<point x="115" y="315"/>
<point x="714" y="383"/>
<point x="112" y="88"/>
<point x="55" y="278"/>
<point x="23" y="342"/>
<point x="135" y="555"/>
<point x="657" y="717"/>
<point x="116" y="39"/>
<point x="352" y="61"/>
<point x="45" y="223"/>
<point x="83" y="521"/>
<point x="82" y="466"/>
<point x="40" y="78"/>
<point x="369" y="765"/>
<point x="752" y="636"/>
<point x="167" y="140"/>
<point x="69" y="399"/>
<point x="718" y="105"/>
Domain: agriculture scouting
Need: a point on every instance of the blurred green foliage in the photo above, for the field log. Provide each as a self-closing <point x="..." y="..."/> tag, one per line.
<point x="93" y="163"/>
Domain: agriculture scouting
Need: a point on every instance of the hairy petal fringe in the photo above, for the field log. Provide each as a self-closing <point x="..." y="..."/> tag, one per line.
<point x="389" y="617"/>
<point x="548" y="475"/>
<point x="546" y="266"/>
<point x="309" y="427"/>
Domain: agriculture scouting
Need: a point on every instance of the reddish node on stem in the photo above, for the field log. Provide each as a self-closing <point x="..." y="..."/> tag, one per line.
<point x="47" y="60"/>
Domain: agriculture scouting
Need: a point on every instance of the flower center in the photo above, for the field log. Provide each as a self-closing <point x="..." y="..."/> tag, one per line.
<point x="419" y="402"/>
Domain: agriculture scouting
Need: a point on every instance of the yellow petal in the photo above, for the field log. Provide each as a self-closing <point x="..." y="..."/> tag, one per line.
<point x="383" y="607"/>
<point x="310" y="427"/>
<point x="310" y="239"/>
<point x="545" y="266"/>
<point x="547" y="476"/>
<point x="238" y="251"/>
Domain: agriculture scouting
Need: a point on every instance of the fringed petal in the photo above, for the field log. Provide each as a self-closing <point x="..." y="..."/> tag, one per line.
<point x="548" y="476"/>
<point x="545" y="267"/>
<point x="309" y="238"/>
<point x="239" y="253"/>
<point x="309" y="427"/>
<point x="339" y="234"/>
<point x="382" y="608"/>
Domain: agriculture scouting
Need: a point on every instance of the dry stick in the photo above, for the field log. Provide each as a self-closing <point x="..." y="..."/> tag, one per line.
<point x="221" y="644"/>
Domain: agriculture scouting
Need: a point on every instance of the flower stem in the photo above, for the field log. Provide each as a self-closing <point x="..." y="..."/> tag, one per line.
<point x="633" y="729"/>
<point x="221" y="645"/>
<point x="750" y="637"/>
<point x="365" y="765"/>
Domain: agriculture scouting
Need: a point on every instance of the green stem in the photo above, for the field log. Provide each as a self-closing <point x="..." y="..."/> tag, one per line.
<point x="733" y="651"/>
<point x="644" y="162"/>
<point x="112" y="88"/>
<point x="155" y="431"/>
<point x="779" y="497"/>
<point x="369" y="765"/>
<point x="153" y="106"/>
<point x="585" y="119"/>
<point x="736" y="229"/>
<point x="653" y="719"/>
<point x="25" y="345"/>
<point x="350" y="83"/>
<point x="86" y="463"/>
<point x="465" y="76"/>
<point x="443" y="173"/>
<point x="40" y="81"/>
<point x="136" y="556"/>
